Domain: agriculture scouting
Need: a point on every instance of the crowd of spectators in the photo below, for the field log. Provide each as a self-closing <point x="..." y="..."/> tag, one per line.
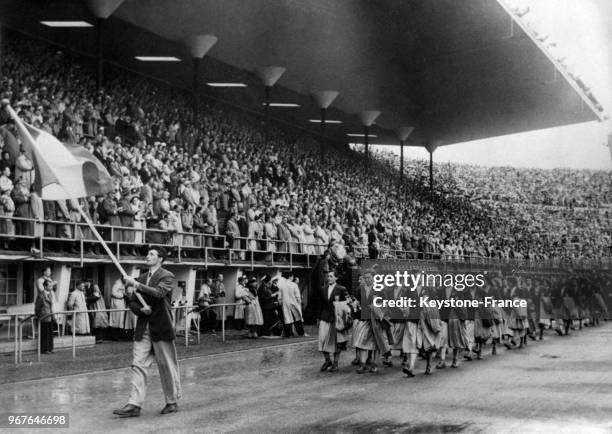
<point x="565" y="212"/>
<point x="194" y="181"/>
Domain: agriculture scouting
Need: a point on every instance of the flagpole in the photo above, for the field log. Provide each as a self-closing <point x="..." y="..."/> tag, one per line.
<point x="108" y="250"/>
<point x="113" y="258"/>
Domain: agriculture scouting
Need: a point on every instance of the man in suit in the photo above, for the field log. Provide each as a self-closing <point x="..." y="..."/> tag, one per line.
<point x="154" y="335"/>
<point x="328" y="339"/>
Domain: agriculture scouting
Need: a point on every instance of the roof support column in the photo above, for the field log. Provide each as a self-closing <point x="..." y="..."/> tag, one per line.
<point x="101" y="9"/>
<point x="269" y="75"/>
<point x="403" y="133"/>
<point x="431" y="180"/>
<point x="324" y="98"/>
<point x="431" y="148"/>
<point x="198" y="46"/>
<point x="195" y="87"/>
<point x="1" y="43"/>
<point x="367" y="119"/>
<point x="99" y="54"/>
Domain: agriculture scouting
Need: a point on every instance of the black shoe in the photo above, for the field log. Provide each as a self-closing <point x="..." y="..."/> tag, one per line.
<point x="408" y="372"/>
<point x="334" y="367"/>
<point x="362" y="369"/>
<point x="388" y="363"/>
<point x="374" y="369"/>
<point x="356" y="362"/>
<point x="169" y="408"/>
<point x="128" y="411"/>
<point x="326" y="365"/>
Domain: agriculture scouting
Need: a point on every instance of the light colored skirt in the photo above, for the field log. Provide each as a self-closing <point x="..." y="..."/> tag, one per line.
<point x="130" y="321"/>
<point x="469" y="332"/>
<point x="239" y="310"/>
<point x="409" y="341"/>
<point x="363" y="338"/>
<point x="331" y="341"/>
<point x="481" y="332"/>
<point x="427" y="339"/>
<point x="506" y="325"/>
<point x="497" y="331"/>
<point x="253" y="313"/>
<point x="443" y="341"/>
<point x="457" y="334"/>
<point x="397" y="331"/>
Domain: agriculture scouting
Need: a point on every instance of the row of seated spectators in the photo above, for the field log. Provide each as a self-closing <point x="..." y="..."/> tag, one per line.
<point x="215" y="176"/>
<point x="566" y="212"/>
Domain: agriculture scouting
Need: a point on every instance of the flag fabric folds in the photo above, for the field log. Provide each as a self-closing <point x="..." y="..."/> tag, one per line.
<point x="64" y="171"/>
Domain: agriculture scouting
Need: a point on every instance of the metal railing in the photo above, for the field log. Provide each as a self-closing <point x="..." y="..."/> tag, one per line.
<point x="18" y="326"/>
<point x="207" y="245"/>
<point x="187" y="310"/>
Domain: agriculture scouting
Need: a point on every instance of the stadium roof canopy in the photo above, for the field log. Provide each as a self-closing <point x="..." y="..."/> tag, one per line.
<point x="455" y="70"/>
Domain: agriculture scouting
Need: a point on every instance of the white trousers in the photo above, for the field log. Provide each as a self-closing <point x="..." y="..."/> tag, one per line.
<point x="164" y="353"/>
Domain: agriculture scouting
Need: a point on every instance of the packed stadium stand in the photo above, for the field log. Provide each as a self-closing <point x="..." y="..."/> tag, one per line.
<point x="183" y="178"/>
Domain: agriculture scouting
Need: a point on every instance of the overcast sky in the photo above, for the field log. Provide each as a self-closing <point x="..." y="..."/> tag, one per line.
<point x="582" y="30"/>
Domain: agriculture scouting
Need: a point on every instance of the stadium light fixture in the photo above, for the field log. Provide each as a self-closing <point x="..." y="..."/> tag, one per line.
<point x="282" y="104"/>
<point x="327" y="121"/>
<point x="214" y="84"/>
<point x="360" y="135"/>
<point x="66" y="24"/>
<point x="157" y="58"/>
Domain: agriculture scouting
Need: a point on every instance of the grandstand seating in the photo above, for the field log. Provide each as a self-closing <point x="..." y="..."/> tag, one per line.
<point x="215" y="184"/>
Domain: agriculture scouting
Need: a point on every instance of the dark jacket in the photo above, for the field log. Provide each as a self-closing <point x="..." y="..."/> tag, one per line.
<point x="158" y="295"/>
<point x="328" y="312"/>
<point x="467" y="295"/>
<point x="43" y="306"/>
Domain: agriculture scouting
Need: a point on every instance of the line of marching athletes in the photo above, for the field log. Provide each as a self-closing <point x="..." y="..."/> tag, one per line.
<point x="452" y="334"/>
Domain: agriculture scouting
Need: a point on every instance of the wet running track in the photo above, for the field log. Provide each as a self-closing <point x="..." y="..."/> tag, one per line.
<point x="563" y="384"/>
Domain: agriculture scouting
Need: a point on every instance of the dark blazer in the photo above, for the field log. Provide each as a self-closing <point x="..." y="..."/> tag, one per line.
<point x="467" y="295"/>
<point x="44" y="305"/>
<point x="158" y="295"/>
<point x="328" y="312"/>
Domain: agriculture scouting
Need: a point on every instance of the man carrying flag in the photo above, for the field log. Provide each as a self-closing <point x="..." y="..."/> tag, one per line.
<point x="154" y="335"/>
<point x="70" y="172"/>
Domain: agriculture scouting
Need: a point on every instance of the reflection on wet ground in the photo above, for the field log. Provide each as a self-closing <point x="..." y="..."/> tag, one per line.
<point x="280" y="389"/>
<point x="387" y="427"/>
